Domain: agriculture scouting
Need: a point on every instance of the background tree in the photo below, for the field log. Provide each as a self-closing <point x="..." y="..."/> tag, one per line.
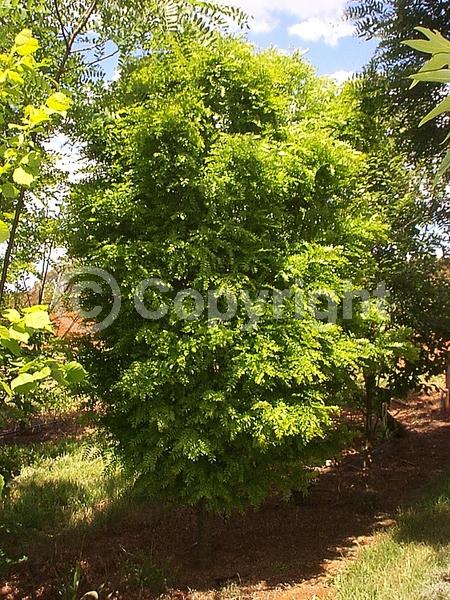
<point x="388" y="95"/>
<point x="404" y="160"/>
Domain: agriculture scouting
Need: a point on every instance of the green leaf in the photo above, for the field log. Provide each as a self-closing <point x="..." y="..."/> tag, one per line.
<point x="445" y="166"/>
<point x="35" y="308"/>
<point x="11" y="345"/>
<point x="441" y="76"/>
<point x="42" y="374"/>
<point x="36" y="116"/>
<point x="4" y="332"/>
<point x="4" y="232"/>
<point x="37" y="320"/>
<point x="21" y="177"/>
<point x="32" y="160"/>
<point x="59" y="103"/>
<point x="436" y="62"/>
<point x="435" y="44"/>
<point x="58" y="374"/>
<point x="9" y="190"/>
<point x="74" y="372"/>
<point x="21" y="336"/>
<point x="12" y="315"/>
<point x="25" y="43"/>
<point x="14" y="77"/>
<point x="23" y="383"/>
<point x="441" y="108"/>
<point x="7" y="389"/>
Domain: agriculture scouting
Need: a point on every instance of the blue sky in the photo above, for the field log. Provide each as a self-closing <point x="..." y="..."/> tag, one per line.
<point x="314" y="25"/>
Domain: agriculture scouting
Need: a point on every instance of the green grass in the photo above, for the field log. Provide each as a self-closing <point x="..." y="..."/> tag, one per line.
<point x="61" y="488"/>
<point x="55" y="493"/>
<point x="410" y="562"/>
<point x="14" y="457"/>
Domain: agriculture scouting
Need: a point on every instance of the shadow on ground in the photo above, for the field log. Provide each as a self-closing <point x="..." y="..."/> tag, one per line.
<point x="279" y="544"/>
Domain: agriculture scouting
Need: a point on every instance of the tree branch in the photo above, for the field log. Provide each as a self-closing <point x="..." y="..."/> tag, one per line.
<point x="60" y="21"/>
<point x="99" y="60"/>
<point x="11" y="243"/>
<point x="72" y="39"/>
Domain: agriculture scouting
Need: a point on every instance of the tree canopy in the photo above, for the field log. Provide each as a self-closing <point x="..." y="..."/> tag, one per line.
<point x="222" y="170"/>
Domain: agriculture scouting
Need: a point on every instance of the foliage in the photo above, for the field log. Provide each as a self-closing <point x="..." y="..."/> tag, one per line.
<point x="20" y="156"/>
<point x="24" y="363"/>
<point x="75" y="40"/>
<point x="20" y="153"/>
<point x="387" y="93"/>
<point x="437" y="70"/>
<point x="220" y="171"/>
<point x="416" y="278"/>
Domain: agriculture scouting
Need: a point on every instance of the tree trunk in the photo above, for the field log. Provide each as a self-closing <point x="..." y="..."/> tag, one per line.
<point x="370" y="397"/>
<point x="203" y="544"/>
<point x="11" y="243"/>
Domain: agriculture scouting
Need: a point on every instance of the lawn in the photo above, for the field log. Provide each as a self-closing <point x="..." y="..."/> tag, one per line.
<point x="411" y="561"/>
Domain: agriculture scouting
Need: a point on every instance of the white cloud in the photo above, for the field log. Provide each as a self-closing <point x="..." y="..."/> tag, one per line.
<point x="266" y="13"/>
<point x="341" y="76"/>
<point x="329" y="31"/>
<point x="262" y="25"/>
<point x="116" y="74"/>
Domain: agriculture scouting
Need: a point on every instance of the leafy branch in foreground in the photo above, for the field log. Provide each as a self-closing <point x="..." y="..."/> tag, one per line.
<point x="25" y="366"/>
<point x="436" y="70"/>
<point x="22" y="122"/>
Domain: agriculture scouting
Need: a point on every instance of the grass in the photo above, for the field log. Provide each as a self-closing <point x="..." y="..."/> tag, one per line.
<point x="61" y="487"/>
<point x="59" y="492"/>
<point x="65" y="488"/>
<point x="410" y="562"/>
<point x="61" y="495"/>
<point x="14" y="457"/>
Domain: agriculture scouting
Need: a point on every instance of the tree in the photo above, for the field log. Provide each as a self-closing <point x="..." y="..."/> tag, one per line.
<point x="403" y="161"/>
<point x="76" y="38"/>
<point x="388" y="94"/>
<point x="20" y="153"/>
<point x="24" y="365"/>
<point x="220" y="171"/>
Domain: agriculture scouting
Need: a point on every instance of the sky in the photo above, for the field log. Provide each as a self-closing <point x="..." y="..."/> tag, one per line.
<point x="317" y="26"/>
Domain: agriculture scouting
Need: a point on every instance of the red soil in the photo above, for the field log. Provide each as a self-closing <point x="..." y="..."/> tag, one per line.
<point x="279" y="551"/>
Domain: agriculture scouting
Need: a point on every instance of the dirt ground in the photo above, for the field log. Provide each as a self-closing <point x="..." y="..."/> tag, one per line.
<point x="281" y="551"/>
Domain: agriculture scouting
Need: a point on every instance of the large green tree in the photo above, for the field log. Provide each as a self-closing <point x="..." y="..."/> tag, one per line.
<point x="222" y="170"/>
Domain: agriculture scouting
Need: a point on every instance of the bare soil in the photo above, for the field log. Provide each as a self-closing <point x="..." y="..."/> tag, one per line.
<point x="281" y="551"/>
